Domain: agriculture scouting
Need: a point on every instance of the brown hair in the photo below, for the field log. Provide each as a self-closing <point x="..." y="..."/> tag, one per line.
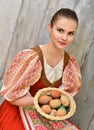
<point x="64" y="12"/>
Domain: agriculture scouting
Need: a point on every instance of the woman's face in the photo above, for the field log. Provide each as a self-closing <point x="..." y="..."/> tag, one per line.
<point x="63" y="32"/>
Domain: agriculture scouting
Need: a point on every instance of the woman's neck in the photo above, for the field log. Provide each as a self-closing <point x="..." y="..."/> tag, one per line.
<point x="52" y="54"/>
<point x="51" y="50"/>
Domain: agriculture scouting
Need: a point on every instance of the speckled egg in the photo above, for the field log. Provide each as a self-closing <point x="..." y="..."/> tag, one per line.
<point x="61" y="112"/>
<point x="44" y="99"/>
<point x="53" y="112"/>
<point x="55" y="103"/>
<point x="55" y="94"/>
<point x="65" y="100"/>
<point x="46" y="109"/>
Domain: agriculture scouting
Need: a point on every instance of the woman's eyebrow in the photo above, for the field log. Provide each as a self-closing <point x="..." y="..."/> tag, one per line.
<point x="63" y="29"/>
<point x="72" y="31"/>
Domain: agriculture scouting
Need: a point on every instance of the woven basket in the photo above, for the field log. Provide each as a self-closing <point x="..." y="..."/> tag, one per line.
<point x="44" y="91"/>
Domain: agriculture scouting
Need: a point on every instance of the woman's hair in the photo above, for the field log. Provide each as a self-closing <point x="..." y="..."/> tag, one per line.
<point x="64" y="12"/>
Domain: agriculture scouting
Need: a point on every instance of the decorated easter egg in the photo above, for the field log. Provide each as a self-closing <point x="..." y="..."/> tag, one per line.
<point x="61" y="112"/>
<point x="46" y="109"/>
<point x="65" y="100"/>
<point x="55" y="103"/>
<point x="44" y="99"/>
<point x="53" y="112"/>
<point x="55" y="94"/>
<point x="62" y="106"/>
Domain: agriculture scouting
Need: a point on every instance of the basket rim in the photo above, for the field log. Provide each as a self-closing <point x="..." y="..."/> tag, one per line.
<point x="39" y="110"/>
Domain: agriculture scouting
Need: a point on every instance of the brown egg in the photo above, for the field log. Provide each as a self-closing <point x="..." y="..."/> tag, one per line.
<point x="55" y="93"/>
<point x="44" y="99"/>
<point x="61" y="112"/>
<point x="55" y="103"/>
<point x="53" y="112"/>
<point x="46" y="109"/>
<point x="65" y="100"/>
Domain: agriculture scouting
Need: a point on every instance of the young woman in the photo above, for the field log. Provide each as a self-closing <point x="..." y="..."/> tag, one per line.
<point x="42" y="66"/>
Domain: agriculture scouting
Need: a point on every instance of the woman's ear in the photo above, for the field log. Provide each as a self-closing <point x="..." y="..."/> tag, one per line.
<point x="49" y="28"/>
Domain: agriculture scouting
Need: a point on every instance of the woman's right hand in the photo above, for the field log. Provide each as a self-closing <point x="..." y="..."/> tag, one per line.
<point x="24" y="101"/>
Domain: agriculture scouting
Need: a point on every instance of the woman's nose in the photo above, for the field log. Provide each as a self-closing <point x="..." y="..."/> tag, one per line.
<point x="64" y="36"/>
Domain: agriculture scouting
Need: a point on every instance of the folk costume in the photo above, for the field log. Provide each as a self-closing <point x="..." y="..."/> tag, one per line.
<point x="30" y="72"/>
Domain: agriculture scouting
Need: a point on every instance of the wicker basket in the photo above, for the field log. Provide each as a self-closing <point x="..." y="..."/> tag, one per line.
<point x="44" y="91"/>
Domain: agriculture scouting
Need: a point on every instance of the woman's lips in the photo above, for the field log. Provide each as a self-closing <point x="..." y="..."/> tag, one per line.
<point x="62" y="43"/>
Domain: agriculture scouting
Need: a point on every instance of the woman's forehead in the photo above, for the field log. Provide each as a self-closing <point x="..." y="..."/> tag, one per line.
<point x="68" y="23"/>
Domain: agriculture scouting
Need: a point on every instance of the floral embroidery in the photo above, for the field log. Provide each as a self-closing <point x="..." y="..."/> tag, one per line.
<point x="41" y="123"/>
<point x="38" y="127"/>
<point x="57" y="125"/>
<point x="33" y="115"/>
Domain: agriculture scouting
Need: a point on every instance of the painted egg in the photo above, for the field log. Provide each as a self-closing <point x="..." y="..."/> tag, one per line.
<point x="65" y="100"/>
<point x="44" y="99"/>
<point x="46" y="109"/>
<point x="61" y="112"/>
<point x="55" y="94"/>
<point x="53" y="112"/>
<point x="55" y="103"/>
<point x="63" y="107"/>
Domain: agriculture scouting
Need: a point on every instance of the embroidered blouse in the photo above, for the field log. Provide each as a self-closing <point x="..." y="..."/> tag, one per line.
<point x="25" y="70"/>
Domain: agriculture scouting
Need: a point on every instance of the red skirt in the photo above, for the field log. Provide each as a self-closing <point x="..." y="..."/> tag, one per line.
<point x="10" y="118"/>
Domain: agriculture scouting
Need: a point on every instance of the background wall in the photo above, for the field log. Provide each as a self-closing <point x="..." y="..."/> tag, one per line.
<point x="23" y="24"/>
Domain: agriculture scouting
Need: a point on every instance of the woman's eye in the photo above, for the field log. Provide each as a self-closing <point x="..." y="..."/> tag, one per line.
<point x="60" y="30"/>
<point x="71" y="33"/>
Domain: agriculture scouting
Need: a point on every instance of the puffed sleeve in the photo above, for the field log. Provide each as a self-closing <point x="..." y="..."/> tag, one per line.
<point x="23" y="72"/>
<point x="72" y="79"/>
